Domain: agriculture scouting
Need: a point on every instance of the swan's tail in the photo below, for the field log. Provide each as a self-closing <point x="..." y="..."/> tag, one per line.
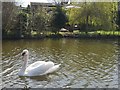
<point x="52" y="69"/>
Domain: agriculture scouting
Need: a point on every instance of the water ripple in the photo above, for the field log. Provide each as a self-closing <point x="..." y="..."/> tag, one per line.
<point x="84" y="64"/>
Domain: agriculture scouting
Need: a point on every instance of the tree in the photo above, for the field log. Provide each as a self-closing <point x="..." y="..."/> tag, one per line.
<point x="93" y="16"/>
<point x="118" y="21"/>
<point x="59" y="19"/>
<point x="28" y="13"/>
<point x="9" y="14"/>
<point x="99" y="16"/>
<point x="39" y="20"/>
<point x="21" y="25"/>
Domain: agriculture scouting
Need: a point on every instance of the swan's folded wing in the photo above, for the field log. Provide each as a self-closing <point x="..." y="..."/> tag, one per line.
<point x="35" y="69"/>
<point x="48" y="65"/>
<point x="38" y="68"/>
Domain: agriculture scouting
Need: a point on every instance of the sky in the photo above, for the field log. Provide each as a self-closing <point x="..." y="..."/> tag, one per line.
<point x="24" y="3"/>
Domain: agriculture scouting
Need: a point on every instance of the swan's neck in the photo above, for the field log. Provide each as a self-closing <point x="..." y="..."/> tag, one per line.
<point x="25" y="61"/>
<point x="24" y="65"/>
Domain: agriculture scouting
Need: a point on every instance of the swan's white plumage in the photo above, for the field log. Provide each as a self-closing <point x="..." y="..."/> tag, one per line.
<point x="37" y="68"/>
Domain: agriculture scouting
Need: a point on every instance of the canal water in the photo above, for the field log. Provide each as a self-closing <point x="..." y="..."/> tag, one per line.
<point x="84" y="63"/>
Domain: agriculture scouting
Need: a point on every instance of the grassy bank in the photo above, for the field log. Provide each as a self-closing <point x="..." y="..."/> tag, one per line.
<point x="74" y="34"/>
<point x="102" y="33"/>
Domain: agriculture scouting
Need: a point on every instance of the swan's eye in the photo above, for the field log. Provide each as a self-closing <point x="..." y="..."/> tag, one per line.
<point x="23" y="53"/>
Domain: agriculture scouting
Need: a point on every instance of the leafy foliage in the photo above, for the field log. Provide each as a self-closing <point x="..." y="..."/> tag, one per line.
<point x="9" y="14"/>
<point x="90" y="16"/>
<point x="118" y="17"/>
<point x="59" y="19"/>
<point x="94" y="16"/>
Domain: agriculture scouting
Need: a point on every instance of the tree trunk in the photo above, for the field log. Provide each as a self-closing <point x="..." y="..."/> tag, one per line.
<point x="87" y="17"/>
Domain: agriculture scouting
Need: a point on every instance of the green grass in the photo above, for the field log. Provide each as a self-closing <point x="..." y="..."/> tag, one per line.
<point x="116" y="33"/>
<point x="77" y="32"/>
<point x="109" y="32"/>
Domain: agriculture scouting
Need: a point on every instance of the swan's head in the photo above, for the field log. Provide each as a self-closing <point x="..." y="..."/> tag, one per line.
<point x="25" y="52"/>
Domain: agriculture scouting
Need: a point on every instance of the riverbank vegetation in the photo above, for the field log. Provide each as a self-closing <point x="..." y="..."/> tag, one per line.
<point x="85" y="19"/>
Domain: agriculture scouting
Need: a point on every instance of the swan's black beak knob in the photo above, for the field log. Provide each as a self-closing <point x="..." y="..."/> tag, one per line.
<point x="23" y="53"/>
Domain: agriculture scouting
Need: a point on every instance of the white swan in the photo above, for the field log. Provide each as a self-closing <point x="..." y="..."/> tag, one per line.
<point x="36" y="69"/>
